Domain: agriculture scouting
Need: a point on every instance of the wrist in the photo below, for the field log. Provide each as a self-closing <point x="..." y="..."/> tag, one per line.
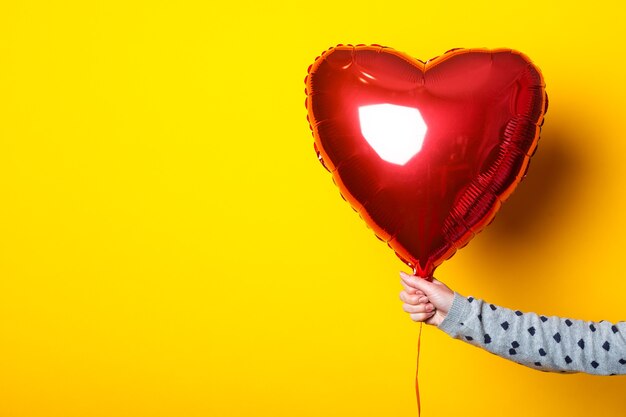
<point x="459" y="309"/>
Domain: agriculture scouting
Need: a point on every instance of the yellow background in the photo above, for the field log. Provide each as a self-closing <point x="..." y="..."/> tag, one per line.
<point x="170" y="245"/>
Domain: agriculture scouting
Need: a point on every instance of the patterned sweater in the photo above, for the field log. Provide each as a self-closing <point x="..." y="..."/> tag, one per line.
<point x="544" y="343"/>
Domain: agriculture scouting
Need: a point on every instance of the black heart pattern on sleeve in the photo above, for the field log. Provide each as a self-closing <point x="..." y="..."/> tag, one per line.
<point x="548" y="344"/>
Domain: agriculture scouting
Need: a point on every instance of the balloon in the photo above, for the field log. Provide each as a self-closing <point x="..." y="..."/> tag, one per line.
<point x="425" y="152"/>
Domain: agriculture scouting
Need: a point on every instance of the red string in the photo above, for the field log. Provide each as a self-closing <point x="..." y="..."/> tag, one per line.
<point x="417" y="387"/>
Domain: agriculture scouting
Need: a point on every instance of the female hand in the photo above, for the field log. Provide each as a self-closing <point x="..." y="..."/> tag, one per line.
<point x="424" y="300"/>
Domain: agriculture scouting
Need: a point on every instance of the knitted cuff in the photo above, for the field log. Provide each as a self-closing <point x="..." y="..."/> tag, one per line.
<point x="458" y="312"/>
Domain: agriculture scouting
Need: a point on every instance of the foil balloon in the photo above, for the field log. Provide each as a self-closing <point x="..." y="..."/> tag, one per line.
<point x="425" y="152"/>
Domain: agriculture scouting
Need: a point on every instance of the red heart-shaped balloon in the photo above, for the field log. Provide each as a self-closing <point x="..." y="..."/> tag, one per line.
<point x="425" y="152"/>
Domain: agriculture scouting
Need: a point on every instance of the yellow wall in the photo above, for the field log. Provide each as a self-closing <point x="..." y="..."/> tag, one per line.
<point x="170" y="245"/>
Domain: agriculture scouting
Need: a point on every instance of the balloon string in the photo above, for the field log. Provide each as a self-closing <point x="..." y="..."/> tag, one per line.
<point x="417" y="387"/>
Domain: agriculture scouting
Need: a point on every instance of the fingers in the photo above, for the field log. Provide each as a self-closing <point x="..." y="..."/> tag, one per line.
<point x="413" y="298"/>
<point x="419" y="308"/>
<point x="411" y="290"/>
<point x="417" y="283"/>
<point x="408" y="288"/>
<point x="422" y="316"/>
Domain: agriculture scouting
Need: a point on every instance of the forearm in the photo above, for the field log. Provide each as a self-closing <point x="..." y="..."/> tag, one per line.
<point x="544" y="343"/>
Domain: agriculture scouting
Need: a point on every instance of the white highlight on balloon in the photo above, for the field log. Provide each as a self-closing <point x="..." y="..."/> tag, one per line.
<point x="396" y="133"/>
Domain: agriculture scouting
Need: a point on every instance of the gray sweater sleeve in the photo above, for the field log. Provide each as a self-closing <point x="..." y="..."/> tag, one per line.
<point x="546" y="343"/>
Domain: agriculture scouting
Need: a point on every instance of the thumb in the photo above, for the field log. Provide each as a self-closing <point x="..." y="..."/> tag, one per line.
<point x="418" y="283"/>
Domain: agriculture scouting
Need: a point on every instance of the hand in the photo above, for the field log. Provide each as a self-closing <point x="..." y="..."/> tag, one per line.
<point x="424" y="300"/>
